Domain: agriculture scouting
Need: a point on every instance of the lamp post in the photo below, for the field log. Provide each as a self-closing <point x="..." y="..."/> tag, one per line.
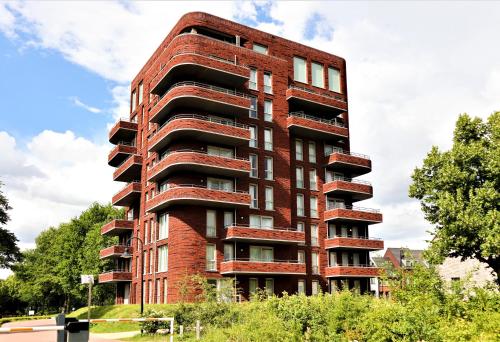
<point x="127" y="255"/>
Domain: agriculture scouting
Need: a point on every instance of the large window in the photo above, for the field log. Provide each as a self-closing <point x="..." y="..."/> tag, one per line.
<point x="299" y="150"/>
<point x="301" y="257"/>
<point x="313" y="183"/>
<point x="151" y="231"/>
<point x="300" y="205"/>
<point x="264" y="222"/>
<point x="220" y="151"/>
<point x="228" y="219"/>
<point x="314" y="235"/>
<point x="254" y="202"/>
<point x="134" y="100"/>
<point x="260" y="48"/>
<point x="260" y="253"/>
<point x="253" y="108"/>
<point x="269" y="198"/>
<point x="228" y="252"/>
<point x="318" y="79"/>
<point x="253" y="136"/>
<point x="253" y="284"/>
<point x="312" y="152"/>
<point x="299" y="177"/>
<point x="268" y="110"/>
<point x="268" y="139"/>
<point x="141" y="95"/>
<point x="252" y="84"/>
<point x="268" y="83"/>
<point x="301" y="287"/>
<point x="220" y="184"/>
<point x="162" y="259"/>
<point x="211" y="260"/>
<point x="146" y="234"/>
<point x="334" y="80"/>
<point x="268" y="168"/>
<point x="253" y="165"/>
<point x="300" y="226"/>
<point x="315" y="263"/>
<point x="165" y="290"/>
<point x="300" y="69"/>
<point x="211" y="223"/>
<point x="315" y="287"/>
<point x="269" y="286"/>
<point x="163" y="226"/>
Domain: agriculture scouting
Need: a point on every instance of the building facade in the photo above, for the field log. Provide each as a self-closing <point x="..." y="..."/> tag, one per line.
<point x="236" y="164"/>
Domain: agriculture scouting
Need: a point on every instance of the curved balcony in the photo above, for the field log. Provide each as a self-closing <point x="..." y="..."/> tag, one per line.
<point x="201" y="96"/>
<point x="354" y="271"/>
<point x="194" y="63"/>
<point x="198" y="127"/>
<point x="128" y="195"/>
<point x="344" y="242"/>
<point x="353" y="214"/>
<point x="198" y="161"/>
<point x="247" y="266"/>
<point x="123" y="130"/>
<point x="115" y="276"/>
<point x="117" y="227"/>
<point x="355" y="189"/>
<point x="273" y="235"/>
<point x="120" y="152"/>
<point x="315" y="127"/>
<point x="197" y="195"/>
<point x="115" y="251"/>
<point x="313" y="100"/>
<point x="349" y="162"/>
<point x="129" y="170"/>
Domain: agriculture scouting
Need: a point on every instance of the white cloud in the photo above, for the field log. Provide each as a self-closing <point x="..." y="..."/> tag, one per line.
<point x="77" y="102"/>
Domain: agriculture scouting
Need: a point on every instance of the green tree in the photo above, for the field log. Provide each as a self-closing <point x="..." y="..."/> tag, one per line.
<point x="9" y="251"/>
<point x="459" y="193"/>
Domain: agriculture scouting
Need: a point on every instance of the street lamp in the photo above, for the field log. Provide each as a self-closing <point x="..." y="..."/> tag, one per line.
<point x="127" y="255"/>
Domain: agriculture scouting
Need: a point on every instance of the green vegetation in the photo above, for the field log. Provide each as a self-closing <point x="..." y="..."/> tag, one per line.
<point x="9" y="251"/>
<point x="23" y="318"/>
<point x="459" y="191"/>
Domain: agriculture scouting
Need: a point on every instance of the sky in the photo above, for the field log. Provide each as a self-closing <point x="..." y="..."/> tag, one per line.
<point x="412" y="68"/>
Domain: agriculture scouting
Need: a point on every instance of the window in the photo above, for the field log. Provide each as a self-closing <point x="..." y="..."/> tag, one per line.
<point x="355" y="233"/>
<point x="312" y="152"/>
<point x="157" y="289"/>
<point x="314" y="235"/>
<point x="333" y="203"/>
<point x="150" y="292"/>
<point x="334" y="285"/>
<point x="300" y="226"/>
<point x="253" y="165"/>
<point x="211" y="262"/>
<point x="130" y="214"/>
<point x="253" y="108"/>
<point x="268" y="110"/>
<point x="318" y="79"/>
<point x="315" y="287"/>
<point x="355" y="259"/>
<point x="252" y="285"/>
<point x="301" y="257"/>
<point x="162" y="259"/>
<point x="259" y="253"/>
<point x="220" y="184"/>
<point x="268" y="139"/>
<point x="313" y="201"/>
<point x="329" y="176"/>
<point x="345" y="259"/>
<point x="137" y="267"/>
<point x="260" y="48"/>
<point x="357" y="286"/>
<point x="313" y="182"/>
<point x="334" y="80"/>
<point x="228" y="219"/>
<point x="228" y="252"/>
<point x="268" y="83"/>
<point x="220" y="151"/>
<point x="141" y="95"/>
<point x="151" y="261"/>
<point x="134" y="100"/>
<point x="299" y="177"/>
<point x="268" y="168"/>
<point x="329" y="149"/>
<point x="146" y="235"/>
<point x="144" y="262"/>
<point x="298" y="150"/>
<point x="253" y="136"/>
<point x="211" y="223"/>
<point x="151" y="232"/>
<point x="253" y="196"/>
<point x="314" y="263"/>
<point x="301" y="287"/>
<point x="300" y="205"/>
<point x="269" y="198"/>
<point x="332" y="259"/>
<point x="270" y="286"/>
<point x="252" y="84"/>
<point x="299" y="69"/>
<point x="343" y="231"/>
<point x="165" y="287"/>
<point x="163" y="226"/>
<point x="331" y="230"/>
<point x="261" y="222"/>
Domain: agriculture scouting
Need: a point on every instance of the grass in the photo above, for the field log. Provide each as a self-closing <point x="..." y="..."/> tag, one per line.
<point x="23" y="318"/>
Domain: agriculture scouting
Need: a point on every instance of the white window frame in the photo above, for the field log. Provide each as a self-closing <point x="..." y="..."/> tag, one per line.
<point x="220" y="184"/>
<point x="254" y="138"/>
<point x="314" y="235"/>
<point x="163" y="258"/>
<point x="313" y="207"/>
<point x="269" y="286"/>
<point x="268" y="143"/>
<point x="253" y="285"/>
<point x="334" y="80"/>
<point x="134" y="100"/>
<point x="228" y="219"/>
<point x="313" y="179"/>
<point x="263" y="49"/>
<point x="253" y="189"/>
<point x="315" y="262"/>
<point x="252" y="112"/>
<point x="268" y="168"/>
<point x="299" y="75"/>
<point x="300" y="205"/>
<point x="299" y="177"/>
<point x="211" y="227"/>
<point x="301" y="256"/>
<point x="268" y="82"/>
<point x="220" y="151"/>
<point x="268" y="110"/>
<point x="317" y="67"/>
<point x="253" y="81"/>
<point x="269" y="198"/>
<point x="312" y="152"/>
<point x="140" y="91"/>
<point x="254" y="165"/>
<point x="301" y="286"/>
<point x="314" y="287"/>
<point x="300" y="226"/>
<point x="211" y="260"/>
<point x="299" y="152"/>
<point x="163" y="222"/>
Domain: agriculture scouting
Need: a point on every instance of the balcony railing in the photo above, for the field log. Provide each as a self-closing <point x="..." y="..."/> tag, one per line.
<point x="354" y="237"/>
<point x="168" y="153"/>
<point x="354" y="154"/>
<point x="311" y="91"/>
<point x="330" y="206"/>
<point x="332" y="122"/>
<point x="264" y="260"/>
<point x="197" y="186"/>
<point x="207" y="86"/>
<point x="349" y="180"/>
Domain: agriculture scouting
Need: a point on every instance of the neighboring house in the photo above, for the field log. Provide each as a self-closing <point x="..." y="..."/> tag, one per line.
<point x="452" y="269"/>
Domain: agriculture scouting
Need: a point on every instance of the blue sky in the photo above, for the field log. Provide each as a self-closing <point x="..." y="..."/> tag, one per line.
<point x="66" y="68"/>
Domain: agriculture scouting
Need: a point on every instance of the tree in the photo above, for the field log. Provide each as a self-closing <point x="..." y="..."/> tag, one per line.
<point x="9" y="251"/>
<point x="459" y="193"/>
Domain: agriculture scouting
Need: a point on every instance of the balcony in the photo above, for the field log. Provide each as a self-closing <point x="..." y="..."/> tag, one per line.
<point x="349" y="162"/>
<point x="202" y="128"/>
<point x="115" y="276"/>
<point x="273" y="235"/>
<point x="129" y="170"/>
<point x="203" y="97"/>
<point x="312" y="100"/>
<point x="354" y="271"/>
<point x="193" y="63"/>
<point x="355" y="189"/>
<point x="197" y="195"/>
<point x="344" y="242"/>
<point x="353" y="214"/>
<point x="123" y="130"/>
<point x="315" y="127"/>
<point x="117" y="227"/>
<point x="120" y="152"/>
<point x="198" y="161"/>
<point x="128" y="195"/>
<point x="114" y="251"/>
<point x="246" y="266"/>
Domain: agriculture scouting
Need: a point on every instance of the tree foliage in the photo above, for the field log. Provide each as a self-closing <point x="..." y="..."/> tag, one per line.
<point x="459" y="193"/>
<point x="9" y="251"/>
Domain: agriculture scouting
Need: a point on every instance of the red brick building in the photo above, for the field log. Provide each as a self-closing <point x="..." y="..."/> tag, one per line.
<point x="236" y="163"/>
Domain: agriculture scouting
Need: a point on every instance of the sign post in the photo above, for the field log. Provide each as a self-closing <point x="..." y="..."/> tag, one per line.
<point x="88" y="279"/>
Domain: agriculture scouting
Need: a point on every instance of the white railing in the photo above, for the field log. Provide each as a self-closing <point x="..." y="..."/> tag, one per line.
<point x="311" y="91"/>
<point x="167" y="153"/>
<point x="350" y="207"/>
<point x="332" y="122"/>
<point x="207" y="86"/>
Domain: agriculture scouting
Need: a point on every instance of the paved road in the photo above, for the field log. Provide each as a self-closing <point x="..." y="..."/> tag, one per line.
<point x="39" y="336"/>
